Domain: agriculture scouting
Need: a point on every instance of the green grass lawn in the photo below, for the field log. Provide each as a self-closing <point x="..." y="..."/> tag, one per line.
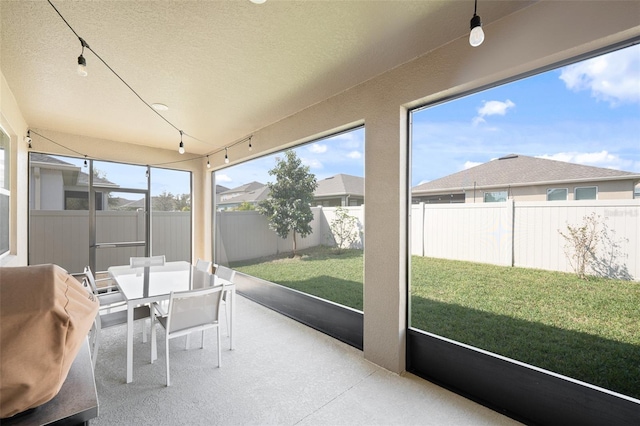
<point x="588" y="330"/>
<point x="319" y="271"/>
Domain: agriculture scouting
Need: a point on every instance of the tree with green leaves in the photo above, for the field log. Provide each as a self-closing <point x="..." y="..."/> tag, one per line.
<point x="183" y="202"/>
<point x="288" y="207"/>
<point x="344" y="229"/>
<point x="245" y="206"/>
<point x="164" y="202"/>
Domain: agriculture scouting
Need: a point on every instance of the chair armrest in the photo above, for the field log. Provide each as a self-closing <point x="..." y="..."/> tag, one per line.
<point x="106" y="288"/>
<point x="161" y="310"/>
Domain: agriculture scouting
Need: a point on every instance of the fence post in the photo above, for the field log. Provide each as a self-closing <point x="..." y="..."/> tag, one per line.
<point x="511" y="205"/>
<point x="422" y="219"/>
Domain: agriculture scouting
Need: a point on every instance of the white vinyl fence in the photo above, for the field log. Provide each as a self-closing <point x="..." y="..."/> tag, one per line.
<point x="511" y="234"/>
<point x="525" y="233"/>
<point x="245" y="235"/>
<point x="62" y="237"/>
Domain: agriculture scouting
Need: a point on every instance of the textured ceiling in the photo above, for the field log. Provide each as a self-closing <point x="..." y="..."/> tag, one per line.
<point x="224" y="68"/>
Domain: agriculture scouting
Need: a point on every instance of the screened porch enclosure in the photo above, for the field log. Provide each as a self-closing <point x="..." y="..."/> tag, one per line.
<point x="101" y="214"/>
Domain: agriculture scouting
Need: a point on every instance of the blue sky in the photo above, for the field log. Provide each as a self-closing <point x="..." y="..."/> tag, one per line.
<point x="585" y="113"/>
<point x="342" y="153"/>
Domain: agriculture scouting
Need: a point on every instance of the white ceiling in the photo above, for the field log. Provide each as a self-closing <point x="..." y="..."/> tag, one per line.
<point x="224" y="68"/>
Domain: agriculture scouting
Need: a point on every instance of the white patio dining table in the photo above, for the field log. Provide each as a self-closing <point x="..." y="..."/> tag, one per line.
<point x="145" y="285"/>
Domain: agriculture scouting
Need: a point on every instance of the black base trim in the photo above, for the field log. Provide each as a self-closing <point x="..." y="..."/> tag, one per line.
<point x="523" y="393"/>
<point x="340" y="322"/>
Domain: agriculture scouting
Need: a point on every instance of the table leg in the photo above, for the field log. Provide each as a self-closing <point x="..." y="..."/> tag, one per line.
<point x="129" y="342"/>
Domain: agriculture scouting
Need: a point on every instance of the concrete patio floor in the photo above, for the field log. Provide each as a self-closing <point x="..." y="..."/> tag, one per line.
<point x="280" y="373"/>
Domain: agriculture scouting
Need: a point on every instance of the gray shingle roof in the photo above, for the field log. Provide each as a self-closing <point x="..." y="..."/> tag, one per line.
<point x="340" y="184"/>
<point x="518" y="170"/>
<point x="247" y="187"/>
<point x="82" y="177"/>
<point x="250" y="197"/>
<point x="44" y="158"/>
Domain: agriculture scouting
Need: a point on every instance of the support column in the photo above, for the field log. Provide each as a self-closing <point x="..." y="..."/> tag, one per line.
<point x="385" y="271"/>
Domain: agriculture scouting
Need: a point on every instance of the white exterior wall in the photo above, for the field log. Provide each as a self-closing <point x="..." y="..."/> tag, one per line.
<point x="51" y="190"/>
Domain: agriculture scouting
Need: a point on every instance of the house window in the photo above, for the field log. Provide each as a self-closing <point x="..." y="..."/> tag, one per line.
<point x="495" y="196"/>
<point x="79" y="200"/>
<point x="557" y="194"/>
<point x="586" y="193"/>
<point x="5" y="193"/>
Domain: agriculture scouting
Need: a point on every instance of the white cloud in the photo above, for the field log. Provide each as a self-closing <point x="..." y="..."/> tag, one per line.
<point x="356" y="155"/>
<point x="495" y="108"/>
<point x="492" y="108"/>
<point x="318" y="148"/>
<point x="478" y="120"/>
<point x="613" y="78"/>
<point x="597" y="159"/>
<point x="221" y="177"/>
<point x="313" y="163"/>
<point x="470" y="164"/>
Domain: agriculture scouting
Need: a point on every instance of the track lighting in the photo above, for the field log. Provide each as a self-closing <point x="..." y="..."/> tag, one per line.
<point x="208" y="163"/>
<point x="476" y="36"/>
<point x="27" y="139"/>
<point x="82" y="63"/>
<point x="226" y="156"/>
<point x="181" y="148"/>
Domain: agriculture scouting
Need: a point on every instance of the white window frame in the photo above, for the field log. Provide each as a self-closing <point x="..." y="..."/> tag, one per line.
<point x="484" y="196"/>
<point x="575" y="192"/>
<point x="5" y="189"/>
<point x="566" y="193"/>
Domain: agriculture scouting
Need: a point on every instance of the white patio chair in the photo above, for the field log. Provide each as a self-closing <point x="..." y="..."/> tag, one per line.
<point x="227" y="275"/>
<point x="138" y="262"/>
<point x="106" y="318"/>
<point x="203" y="265"/>
<point x="189" y="311"/>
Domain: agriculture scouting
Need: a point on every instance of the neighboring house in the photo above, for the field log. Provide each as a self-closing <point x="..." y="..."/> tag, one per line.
<point x="58" y="185"/>
<point x="239" y="190"/>
<point x="124" y="204"/>
<point x="524" y="178"/>
<point x="340" y="190"/>
<point x="220" y="189"/>
<point x="251" y="193"/>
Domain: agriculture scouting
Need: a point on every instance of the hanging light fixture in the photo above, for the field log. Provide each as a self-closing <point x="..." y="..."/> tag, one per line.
<point x="82" y="63"/>
<point x="476" y="36"/>
<point x="85" y="161"/>
<point x="208" y="163"/>
<point x="226" y="156"/>
<point x="250" y="145"/>
<point x="181" y="147"/>
<point x="27" y="139"/>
